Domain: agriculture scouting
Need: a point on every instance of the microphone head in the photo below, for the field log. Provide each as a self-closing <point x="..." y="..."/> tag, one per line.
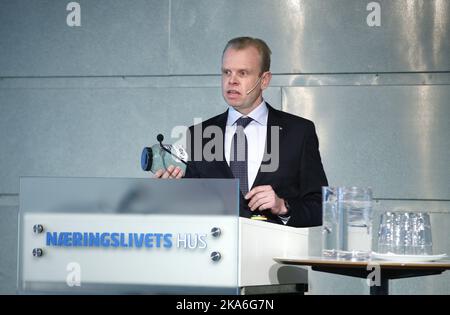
<point x="160" y="138"/>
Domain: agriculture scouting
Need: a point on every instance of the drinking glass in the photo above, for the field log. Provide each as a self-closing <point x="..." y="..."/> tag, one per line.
<point x="405" y="233"/>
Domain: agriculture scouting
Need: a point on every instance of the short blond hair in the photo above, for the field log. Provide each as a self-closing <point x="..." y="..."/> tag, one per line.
<point x="239" y="43"/>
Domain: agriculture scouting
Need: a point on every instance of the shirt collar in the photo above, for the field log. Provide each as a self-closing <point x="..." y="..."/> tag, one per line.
<point x="259" y="114"/>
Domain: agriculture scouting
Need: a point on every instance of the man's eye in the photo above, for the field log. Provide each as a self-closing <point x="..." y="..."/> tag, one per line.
<point x="243" y="73"/>
<point x="226" y="72"/>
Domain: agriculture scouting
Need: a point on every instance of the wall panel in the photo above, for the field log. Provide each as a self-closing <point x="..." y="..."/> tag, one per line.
<point x="391" y="138"/>
<point x="115" y="38"/>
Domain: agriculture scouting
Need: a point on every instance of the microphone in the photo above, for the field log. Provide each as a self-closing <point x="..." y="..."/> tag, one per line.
<point x="160" y="139"/>
<point x="155" y="157"/>
<point x="257" y="82"/>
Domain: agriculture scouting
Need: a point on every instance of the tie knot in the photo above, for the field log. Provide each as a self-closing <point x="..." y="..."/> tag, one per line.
<point x="243" y="121"/>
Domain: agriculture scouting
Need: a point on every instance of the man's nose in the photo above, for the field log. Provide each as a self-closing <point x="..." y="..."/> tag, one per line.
<point x="233" y="79"/>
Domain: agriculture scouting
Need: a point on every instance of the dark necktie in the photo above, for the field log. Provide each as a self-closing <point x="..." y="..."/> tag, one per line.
<point x="239" y="154"/>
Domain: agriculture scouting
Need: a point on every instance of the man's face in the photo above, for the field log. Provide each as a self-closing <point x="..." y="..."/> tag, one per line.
<point x="241" y="70"/>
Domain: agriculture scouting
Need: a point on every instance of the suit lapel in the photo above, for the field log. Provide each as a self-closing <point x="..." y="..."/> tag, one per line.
<point x="273" y="120"/>
<point x="222" y="165"/>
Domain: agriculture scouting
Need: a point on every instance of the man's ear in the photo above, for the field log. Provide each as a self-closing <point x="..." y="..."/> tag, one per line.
<point x="267" y="76"/>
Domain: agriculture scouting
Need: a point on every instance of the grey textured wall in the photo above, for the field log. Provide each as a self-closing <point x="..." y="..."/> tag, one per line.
<point x="83" y="101"/>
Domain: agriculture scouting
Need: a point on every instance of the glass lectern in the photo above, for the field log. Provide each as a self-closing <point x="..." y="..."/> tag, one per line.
<point x="128" y="236"/>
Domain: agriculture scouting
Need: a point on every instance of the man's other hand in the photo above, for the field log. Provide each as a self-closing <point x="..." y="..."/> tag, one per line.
<point x="265" y="198"/>
<point x="171" y="172"/>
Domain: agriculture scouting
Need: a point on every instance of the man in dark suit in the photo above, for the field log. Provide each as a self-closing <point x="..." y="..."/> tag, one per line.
<point x="274" y="154"/>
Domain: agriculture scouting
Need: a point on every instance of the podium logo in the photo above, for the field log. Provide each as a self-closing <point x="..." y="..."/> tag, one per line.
<point x="106" y="239"/>
<point x="125" y="240"/>
<point x="191" y="241"/>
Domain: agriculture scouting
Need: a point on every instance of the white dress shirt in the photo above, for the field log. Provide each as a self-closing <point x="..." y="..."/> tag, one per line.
<point x="255" y="132"/>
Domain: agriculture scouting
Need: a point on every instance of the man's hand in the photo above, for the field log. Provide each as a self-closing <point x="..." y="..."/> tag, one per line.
<point x="265" y="198"/>
<point x="171" y="172"/>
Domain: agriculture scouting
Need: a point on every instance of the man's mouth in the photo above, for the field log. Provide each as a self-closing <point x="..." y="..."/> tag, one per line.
<point x="233" y="92"/>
